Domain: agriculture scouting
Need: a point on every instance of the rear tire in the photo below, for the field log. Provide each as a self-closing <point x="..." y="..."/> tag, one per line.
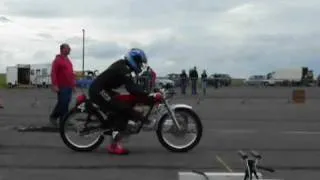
<point x="193" y="144"/>
<point x="71" y="145"/>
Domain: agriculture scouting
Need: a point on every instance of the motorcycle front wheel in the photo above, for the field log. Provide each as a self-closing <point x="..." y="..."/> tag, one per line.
<point x="167" y="126"/>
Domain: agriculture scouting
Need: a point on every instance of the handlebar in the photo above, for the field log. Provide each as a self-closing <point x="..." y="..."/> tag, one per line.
<point x="252" y="164"/>
<point x="165" y="92"/>
<point x="243" y="155"/>
<point x="255" y="154"/>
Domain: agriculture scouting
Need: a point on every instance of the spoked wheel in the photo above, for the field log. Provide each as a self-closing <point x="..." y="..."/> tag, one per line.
<point x="82" y="131"/>
<point x="182" y="140"/>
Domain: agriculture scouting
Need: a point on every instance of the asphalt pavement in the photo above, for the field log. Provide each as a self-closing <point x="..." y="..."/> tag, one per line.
<point x="263" y="119"/>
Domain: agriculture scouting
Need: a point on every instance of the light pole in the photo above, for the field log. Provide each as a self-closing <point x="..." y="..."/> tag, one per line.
<point x="83" y="34"/>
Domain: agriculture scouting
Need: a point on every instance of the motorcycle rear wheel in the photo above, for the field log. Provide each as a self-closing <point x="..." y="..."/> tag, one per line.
<point x="74" y="145"/>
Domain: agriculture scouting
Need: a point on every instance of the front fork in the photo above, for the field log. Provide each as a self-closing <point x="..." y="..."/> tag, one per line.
<point x="172" y="115"/>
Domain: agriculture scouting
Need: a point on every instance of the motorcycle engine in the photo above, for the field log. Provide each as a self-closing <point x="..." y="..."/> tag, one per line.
<point x="141" y="108"/>
<point x="134" y="126"/>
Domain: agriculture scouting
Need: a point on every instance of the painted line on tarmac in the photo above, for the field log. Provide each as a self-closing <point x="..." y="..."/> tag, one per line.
<point x="223" y="163"/>
<point x="234" y="131"/>
<point x="251" y="131"/>
<point x="302" y="132"/>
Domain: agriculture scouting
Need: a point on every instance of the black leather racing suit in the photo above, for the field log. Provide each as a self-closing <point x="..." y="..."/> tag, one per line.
<point x="101" y="92"/>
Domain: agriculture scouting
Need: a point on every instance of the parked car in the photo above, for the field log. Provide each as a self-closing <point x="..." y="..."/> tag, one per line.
<point x="257" y="80"/>
<point x="164" y="82"/>
<point x="219" y="80"/>
<point x="175" y="78"/>
<point x="84" y="83"/>
<point x="86" y="80"/>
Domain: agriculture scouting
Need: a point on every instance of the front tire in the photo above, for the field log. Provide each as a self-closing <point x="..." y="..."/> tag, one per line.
<point x="191" y="145"/>
<point x="63" y="125"/>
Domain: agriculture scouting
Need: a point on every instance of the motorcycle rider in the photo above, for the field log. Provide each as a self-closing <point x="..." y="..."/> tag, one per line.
<point x="101" y="92"/>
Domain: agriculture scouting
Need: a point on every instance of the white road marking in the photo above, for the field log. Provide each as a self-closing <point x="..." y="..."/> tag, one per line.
<point x="224" y="164"/>
<point x="233" y="131"/>
<point x="252" y="131"/>
<point x="237" y="131"/>
<point x="301" y="132"/>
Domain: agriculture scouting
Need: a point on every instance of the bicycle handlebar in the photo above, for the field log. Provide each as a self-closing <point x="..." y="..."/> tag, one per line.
<point x="243" y="155"/>
<point x="255" y="154"/>
<point x="252" y="153"/>
<point x="257" y="157"/>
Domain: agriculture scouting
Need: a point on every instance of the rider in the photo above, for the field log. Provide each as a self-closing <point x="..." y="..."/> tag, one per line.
<point x="101" y="92"/>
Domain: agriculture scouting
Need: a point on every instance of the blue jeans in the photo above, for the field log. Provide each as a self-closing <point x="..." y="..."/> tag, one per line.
<point x="204" y="87"/>
<point x="194" y="86"/>
<point x="183" y="87"/>
<point x="62" y="106"/>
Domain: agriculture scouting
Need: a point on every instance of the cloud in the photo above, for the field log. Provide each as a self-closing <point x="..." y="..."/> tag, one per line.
<point x="45" y="35"/>
<point x="4" y="19"/>
<point x="237" y="37"/>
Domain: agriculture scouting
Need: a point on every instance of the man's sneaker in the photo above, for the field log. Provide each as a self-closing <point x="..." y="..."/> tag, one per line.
<point x="54" y="121"/>
<point x="117" y="149"/>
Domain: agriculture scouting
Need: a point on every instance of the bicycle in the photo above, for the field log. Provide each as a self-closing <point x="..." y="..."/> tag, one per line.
<point x="251" y="167"/>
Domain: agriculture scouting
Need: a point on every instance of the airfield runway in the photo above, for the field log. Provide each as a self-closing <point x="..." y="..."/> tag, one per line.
<point x="263" y="119"/>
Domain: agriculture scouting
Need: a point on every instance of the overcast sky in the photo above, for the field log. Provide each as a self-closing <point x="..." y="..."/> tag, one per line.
<point x="228" y="36"/>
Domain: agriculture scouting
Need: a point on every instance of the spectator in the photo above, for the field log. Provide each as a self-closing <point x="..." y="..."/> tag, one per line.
<point x="194" y="79"/>
<point x="1" y="106"/>
<point x="204" y="80"/>
<point x="183" y="81"/>
<point x="63" y="83"/>
<point x="153" y="78"/>
<point x="190" y="75"/>
<point x="147" y="78"/>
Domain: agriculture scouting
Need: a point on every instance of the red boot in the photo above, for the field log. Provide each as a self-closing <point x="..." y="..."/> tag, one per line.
<point x="117" y="149"/>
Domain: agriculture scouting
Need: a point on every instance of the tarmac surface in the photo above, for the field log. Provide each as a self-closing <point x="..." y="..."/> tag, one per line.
<point x="263" y="119"/>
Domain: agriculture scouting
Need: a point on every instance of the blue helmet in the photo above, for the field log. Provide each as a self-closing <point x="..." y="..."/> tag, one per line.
<point x="136" y="59"/>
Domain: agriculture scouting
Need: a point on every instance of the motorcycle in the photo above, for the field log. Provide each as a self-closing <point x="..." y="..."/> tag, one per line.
<point x="162" y="116"/>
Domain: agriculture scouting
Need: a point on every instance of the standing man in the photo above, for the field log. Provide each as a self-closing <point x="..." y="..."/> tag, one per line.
<point x="148" y="77"/>
<point x="194" y="79"/>
<point x="63" y="83"/>
<point x="204" y="81"/>
<point x="183" y="81"/>
<point x="1" y="106"/>
<point x="144" y="79"/>
<point x="153" y="79"/>
<point x="191" y="74"/>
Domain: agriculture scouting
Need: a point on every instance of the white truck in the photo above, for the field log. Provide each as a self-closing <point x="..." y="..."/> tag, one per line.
<point x="12" y="76"/>
<point x="18" y="75"/>
<point x="40" y="74"/>
<point x="291" y="76"/>
<point x="28" y="74"/>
